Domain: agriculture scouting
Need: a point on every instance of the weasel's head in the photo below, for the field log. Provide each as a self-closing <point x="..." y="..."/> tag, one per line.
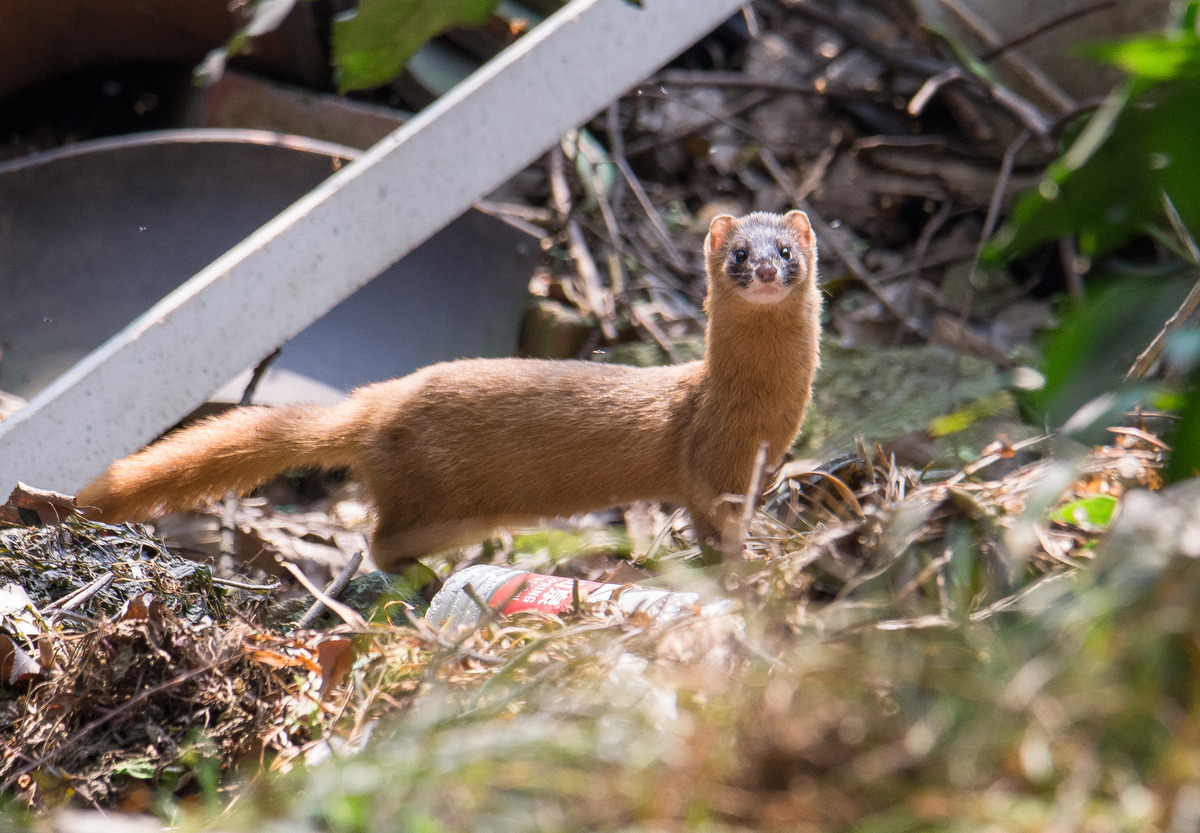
<point x="761" y="258"/>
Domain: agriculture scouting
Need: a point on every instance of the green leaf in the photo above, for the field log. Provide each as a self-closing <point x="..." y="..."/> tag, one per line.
<point x="1085" y="359"/>
<point x="1184" y="437"/>
<point x="1136" y="154"/>
<point x="1110" y="184"/>
<point x="1093" y="512"/>
<point x="372" y="45"/>
<point x="1158" y="58"/>
<point x="141" y="768"/>
<point x="1189" y="16"/>
<point x="966" y="416"/>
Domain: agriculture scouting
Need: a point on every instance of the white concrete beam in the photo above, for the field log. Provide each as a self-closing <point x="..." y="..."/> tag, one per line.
<point x="342" y="234"/>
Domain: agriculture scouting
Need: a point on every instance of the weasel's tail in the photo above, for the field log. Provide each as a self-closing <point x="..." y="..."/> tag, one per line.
<point x="235" y="451"/>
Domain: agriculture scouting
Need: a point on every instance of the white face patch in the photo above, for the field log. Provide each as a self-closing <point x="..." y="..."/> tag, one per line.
<point x="765" y="294"/>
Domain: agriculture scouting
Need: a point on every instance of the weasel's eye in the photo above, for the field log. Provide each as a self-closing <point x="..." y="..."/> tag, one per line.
<point x="740" y="256"/>
<point x="785" y="253"/>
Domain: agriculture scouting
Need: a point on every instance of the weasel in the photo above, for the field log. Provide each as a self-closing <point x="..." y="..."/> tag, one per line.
<point x="455" y="451"/>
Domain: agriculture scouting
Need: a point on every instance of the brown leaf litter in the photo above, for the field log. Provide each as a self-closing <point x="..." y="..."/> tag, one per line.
<point x="122" y="659"/>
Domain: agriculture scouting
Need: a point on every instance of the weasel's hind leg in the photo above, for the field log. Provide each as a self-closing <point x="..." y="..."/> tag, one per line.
<point x="395" y="546"/>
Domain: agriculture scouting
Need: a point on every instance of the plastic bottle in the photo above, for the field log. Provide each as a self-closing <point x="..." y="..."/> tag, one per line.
<point x="510" y="590"/>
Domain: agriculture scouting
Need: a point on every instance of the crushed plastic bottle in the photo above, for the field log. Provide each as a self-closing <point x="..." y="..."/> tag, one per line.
<point x="510" y="590"/>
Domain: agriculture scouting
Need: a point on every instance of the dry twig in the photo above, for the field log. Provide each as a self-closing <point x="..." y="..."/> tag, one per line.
<point x="348" y="614"/>
<point x="599" y="304"/>
<point x="332" y="591"/>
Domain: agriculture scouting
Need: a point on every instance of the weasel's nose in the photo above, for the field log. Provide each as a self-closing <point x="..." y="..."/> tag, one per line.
<point x="766" y="273"/>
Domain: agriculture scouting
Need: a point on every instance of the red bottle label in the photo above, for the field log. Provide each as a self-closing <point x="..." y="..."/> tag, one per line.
<point x="548" y="594"/>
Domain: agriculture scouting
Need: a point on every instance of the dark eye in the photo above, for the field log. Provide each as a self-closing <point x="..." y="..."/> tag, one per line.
<point x="740" y="256"/>
<point x="785" y="253"/>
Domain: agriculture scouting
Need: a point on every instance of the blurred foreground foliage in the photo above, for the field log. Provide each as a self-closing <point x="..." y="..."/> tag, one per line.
<point x="372" y="45"/>
<point x="1135" y="153"/>
<point x="1131" y="170"/>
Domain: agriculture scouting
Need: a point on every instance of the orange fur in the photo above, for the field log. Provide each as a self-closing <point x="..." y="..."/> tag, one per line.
<point x="456" y="450"/>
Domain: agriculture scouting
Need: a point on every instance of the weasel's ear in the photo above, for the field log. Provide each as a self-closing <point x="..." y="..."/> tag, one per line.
<point x="718" y="230"/>
<point x="798" y="222"/>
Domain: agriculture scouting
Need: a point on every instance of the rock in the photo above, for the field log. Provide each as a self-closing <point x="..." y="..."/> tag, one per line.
<point x="554" y="331"/>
